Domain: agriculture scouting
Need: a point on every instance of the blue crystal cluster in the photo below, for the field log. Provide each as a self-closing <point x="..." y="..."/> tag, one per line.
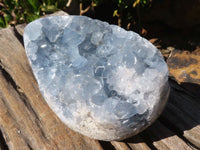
<point x="101" y="80"/>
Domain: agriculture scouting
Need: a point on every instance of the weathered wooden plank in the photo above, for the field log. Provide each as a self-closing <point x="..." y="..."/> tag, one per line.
<point x="163" y="138"/>
<point x="26" y="121"/>
<point x="177" y="118"/>
<point x="120" y="145"/>
<point x="138" y="143"/>
<point x="183" y="125"/>
<point x="133" y="143"/>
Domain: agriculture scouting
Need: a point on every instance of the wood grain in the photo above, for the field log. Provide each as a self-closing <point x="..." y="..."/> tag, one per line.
<point x="156" y="133"/>
<point x="138" y="143"/>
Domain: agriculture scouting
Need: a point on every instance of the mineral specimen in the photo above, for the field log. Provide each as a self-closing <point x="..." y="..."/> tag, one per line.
<point x="100" y="80"/>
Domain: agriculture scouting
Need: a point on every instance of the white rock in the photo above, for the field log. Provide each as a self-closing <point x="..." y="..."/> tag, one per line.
<point x="101" y="80"/>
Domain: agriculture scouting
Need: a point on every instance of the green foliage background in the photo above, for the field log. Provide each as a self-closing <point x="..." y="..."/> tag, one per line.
<point x="14" y="12"/>
<point x="20" y="11"/>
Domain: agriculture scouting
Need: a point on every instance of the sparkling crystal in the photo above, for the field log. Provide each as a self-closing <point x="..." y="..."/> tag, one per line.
<point x="101" y="80"/>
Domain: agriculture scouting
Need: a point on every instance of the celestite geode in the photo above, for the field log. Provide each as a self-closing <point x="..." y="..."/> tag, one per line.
<point x="100" y="80"/>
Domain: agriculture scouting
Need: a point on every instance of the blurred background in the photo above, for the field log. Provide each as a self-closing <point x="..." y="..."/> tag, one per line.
<point x="166" y="23"/>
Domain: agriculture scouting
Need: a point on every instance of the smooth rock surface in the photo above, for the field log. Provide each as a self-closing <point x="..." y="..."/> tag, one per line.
<point x="101" y="81"/>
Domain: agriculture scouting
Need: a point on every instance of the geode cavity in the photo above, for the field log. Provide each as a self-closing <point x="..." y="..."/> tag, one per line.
<point x="100" y="80"/>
